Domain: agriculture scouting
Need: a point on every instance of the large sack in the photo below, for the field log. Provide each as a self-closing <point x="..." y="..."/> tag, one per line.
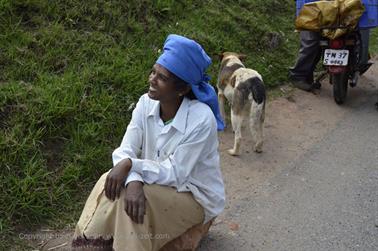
<point x="333" y="17"/>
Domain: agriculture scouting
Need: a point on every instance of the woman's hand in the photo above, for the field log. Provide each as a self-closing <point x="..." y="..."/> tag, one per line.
<point x="116" y="178"/>
<point x="135" y="202"/>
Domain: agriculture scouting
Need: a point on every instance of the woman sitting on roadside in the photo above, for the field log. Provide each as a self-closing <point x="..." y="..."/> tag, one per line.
<point x="166" y="176"/>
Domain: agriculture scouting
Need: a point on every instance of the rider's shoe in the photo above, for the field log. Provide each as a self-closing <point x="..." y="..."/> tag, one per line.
<point x="303" y="85"/>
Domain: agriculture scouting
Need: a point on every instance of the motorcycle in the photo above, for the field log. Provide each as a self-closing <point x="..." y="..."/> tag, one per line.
<point x="342" y="60"/>
<point x="345" y="58"/>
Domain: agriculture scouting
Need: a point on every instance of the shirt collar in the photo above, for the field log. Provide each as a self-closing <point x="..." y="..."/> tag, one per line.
<point x="155" y="111"/>
<point x="179" y="121"/>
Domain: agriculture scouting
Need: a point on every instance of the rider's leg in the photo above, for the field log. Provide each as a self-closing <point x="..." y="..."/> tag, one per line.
<point x="364" y="61"/>
<point x="365" y="35"/>
<point x="308" y="57"/>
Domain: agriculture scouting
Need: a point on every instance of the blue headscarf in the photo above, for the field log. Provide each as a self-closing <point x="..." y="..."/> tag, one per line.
<point x="187" y="60"/>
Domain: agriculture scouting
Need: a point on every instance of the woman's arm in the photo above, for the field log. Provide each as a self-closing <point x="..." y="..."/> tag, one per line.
<point x="129" y="148"/>
<point x="132" y="140"/>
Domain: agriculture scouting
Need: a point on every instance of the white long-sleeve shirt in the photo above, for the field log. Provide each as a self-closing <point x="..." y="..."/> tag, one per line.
<point x="183" y="154"/>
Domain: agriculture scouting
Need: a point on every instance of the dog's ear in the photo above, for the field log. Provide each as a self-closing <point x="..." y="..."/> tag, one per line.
<point x="242" y="56"/>
<point x="220" y="56"/>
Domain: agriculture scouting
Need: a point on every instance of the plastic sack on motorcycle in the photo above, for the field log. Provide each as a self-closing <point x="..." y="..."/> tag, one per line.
<point x="332" y="18"/>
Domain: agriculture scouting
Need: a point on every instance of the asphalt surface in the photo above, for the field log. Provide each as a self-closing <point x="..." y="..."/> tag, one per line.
<point x="325" y="197"/>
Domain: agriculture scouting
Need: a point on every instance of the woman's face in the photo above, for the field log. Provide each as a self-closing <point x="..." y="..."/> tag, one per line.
<point x="162" y="85"/>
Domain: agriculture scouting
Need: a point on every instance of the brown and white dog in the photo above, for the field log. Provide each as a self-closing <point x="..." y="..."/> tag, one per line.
<point x="244" y="89"/>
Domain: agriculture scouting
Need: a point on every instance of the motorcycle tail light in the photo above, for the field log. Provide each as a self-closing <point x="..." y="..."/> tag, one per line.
<point x="336" y="44"/>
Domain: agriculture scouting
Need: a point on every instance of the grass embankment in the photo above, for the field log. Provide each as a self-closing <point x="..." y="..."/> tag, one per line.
<point x="71" y="70"/>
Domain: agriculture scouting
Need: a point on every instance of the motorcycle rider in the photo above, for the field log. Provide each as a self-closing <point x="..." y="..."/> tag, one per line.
<point x="301" y="75"/>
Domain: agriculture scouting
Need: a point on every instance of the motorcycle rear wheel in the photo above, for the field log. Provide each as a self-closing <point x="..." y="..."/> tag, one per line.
<point x="340" y="87"/>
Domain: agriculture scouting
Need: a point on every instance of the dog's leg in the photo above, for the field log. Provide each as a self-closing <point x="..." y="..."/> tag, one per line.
<point x="237" y="121"/>
<point x="221" y="100"/>
<point x="257" y="117"/>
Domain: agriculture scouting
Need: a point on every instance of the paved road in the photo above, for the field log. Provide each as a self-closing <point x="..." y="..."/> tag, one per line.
<point x="322" y="197"/>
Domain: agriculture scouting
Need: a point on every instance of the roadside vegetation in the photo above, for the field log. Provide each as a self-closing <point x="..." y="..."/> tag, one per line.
<point x="71" y="71"/>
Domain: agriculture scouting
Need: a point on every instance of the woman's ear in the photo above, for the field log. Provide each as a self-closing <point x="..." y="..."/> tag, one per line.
<point x="183" y="90"/>
<point x="187" y="89"/>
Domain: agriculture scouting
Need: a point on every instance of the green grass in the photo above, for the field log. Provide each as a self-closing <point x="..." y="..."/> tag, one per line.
<point x="71" y="70"/>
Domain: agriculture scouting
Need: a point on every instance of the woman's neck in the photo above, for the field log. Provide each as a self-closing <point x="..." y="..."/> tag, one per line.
<point x="168" y="110"/>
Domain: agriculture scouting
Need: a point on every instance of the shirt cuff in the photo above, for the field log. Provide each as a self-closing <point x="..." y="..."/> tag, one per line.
<point x="133" y="176"/>
<point x="136" y="166"/>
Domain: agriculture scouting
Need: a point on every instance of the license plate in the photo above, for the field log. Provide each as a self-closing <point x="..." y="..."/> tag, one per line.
<point x="336" y="57"/>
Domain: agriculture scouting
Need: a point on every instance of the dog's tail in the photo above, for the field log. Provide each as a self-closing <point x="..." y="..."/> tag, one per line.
<point x="254" y="86"/>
